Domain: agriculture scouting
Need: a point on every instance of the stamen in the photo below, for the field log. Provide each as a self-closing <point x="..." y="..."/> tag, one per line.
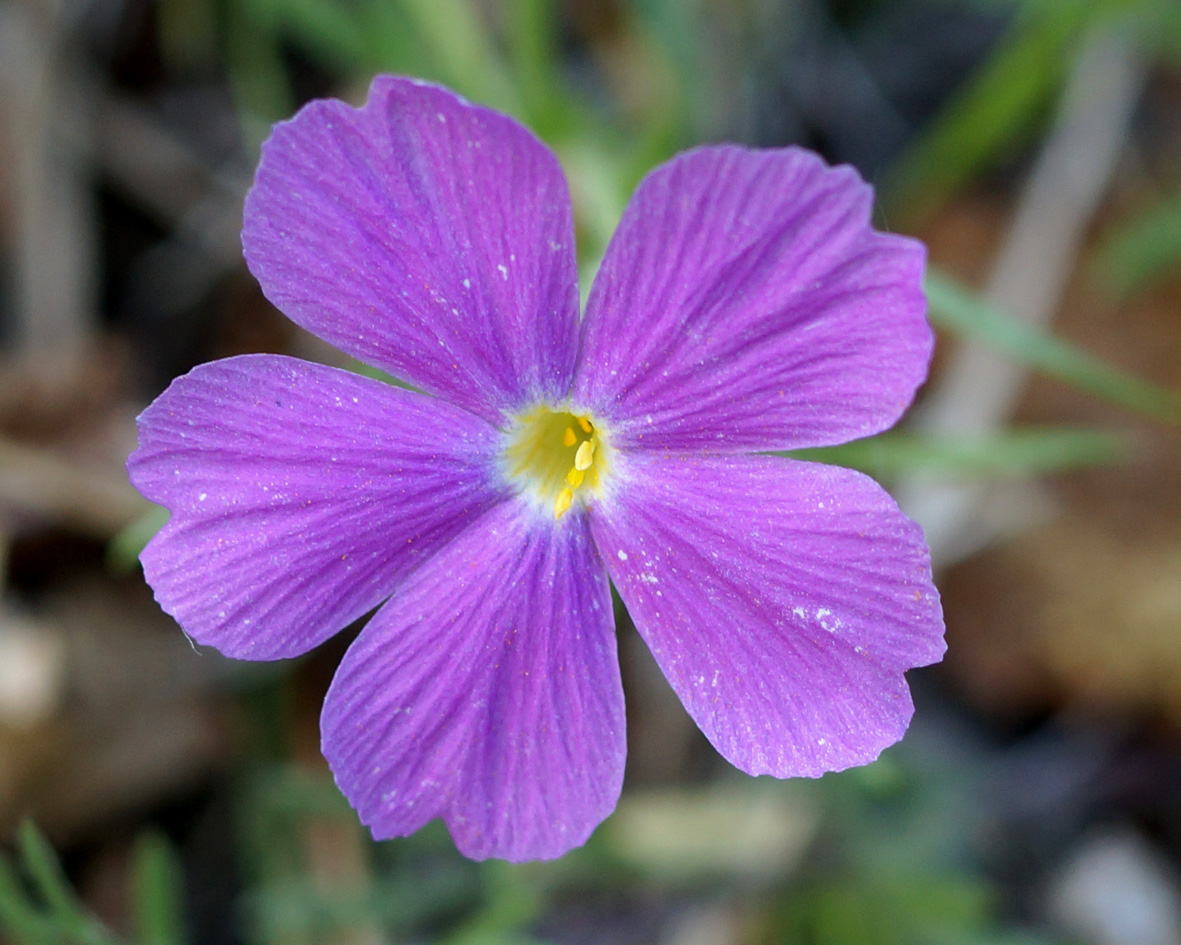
<point x="558" y="458"/>
<point x="585" y="456"/>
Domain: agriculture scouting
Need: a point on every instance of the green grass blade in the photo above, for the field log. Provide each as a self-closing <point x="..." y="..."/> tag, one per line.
<point x="460" y="45"/>
<point x="1144" y="250"/>
<point x="955" y="308"/>
<point x="123" y="549"/>
<point x="258" y="76"/>
<point x="64" y="915"/>
<point x="532" y="54"/>
<point x="20" y="922"/>
<point x="158" y="884"/>
<point x="995" y="112"/>
<point x="330" y="31"/>
<point x="45" y="872"/>
<point x="1022" y="452"/>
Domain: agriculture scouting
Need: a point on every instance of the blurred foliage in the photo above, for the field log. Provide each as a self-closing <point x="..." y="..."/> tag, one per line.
<point x="38" y="907"/>
<point x="1007" y="101"/>
<point x="124" y="548"/>
<point x="893" y="910"/>
<point x="957" y="309"/>
<point x="1145" y="249"/>
<point x="1020" y="452"/>
<point x="887" y="866"/>
<point x="892" y="847"/>
<point x="506" y="55"/>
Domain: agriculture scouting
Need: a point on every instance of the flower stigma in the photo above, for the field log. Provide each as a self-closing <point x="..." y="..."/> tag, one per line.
<point x="557" y="456"/>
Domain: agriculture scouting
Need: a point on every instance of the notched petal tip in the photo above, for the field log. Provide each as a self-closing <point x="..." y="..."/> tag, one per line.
<point x="785" y="605"/>
<point x="300" y="495"/>
<point x="746" y="303"/>
<point x="487" y="692"/>
<point x="424" y="235"/>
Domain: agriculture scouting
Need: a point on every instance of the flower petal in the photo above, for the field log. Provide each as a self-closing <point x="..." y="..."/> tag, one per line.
<point x="300" y="496"/>
<point x="487" y="692"/>
<point x="746" y="303"/>
<point x="425" y="236"/>
<point x="783" y="601"/>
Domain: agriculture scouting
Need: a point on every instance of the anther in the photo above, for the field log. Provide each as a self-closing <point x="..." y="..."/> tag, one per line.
<point x="568" y="438"/>
<point x="586" y="425"/>
<point x="574" y="478"/>
<point x="562" y="503"/>
<point x="585" y="456"/>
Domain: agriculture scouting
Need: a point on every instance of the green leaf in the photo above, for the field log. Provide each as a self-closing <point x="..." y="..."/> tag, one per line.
<point x="296" y="794"/>
<point x="955" y="308"/>
<point x="327" y="30"/>
<point x="258" y="76"/>
<point x="511" y="904"/>
<point x="377" y="374"/>
<point x="45" y="872"/>
<point x="18" y="918"/>
<point x="158" y="901"/>
<point x="532" y="53"/>
<point x="64" y="916"/>
<point x="1024" y="452"/>
<point x="124" y="548"/>
<point x="1144" y="250"/>
<point x="459" y="44"/>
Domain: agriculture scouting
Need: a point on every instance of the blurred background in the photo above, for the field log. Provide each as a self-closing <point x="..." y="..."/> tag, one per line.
<point x="156" y="794"/>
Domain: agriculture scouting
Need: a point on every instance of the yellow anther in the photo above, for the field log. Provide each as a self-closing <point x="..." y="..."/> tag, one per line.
<point x="585" y="457"/>
<point x="556" y="458"/>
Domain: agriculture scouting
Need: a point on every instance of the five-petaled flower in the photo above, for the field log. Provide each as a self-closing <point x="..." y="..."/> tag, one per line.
<point x="744" y="305"/>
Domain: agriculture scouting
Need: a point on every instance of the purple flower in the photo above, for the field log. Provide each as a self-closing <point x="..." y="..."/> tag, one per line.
<point x="744" y="305"/>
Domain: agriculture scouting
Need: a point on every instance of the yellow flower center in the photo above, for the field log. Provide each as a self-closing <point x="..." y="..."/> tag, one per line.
<point x="556" y="456"/>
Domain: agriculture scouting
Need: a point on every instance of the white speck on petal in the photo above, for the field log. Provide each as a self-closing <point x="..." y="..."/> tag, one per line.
<point x="621" y="554"/>
<point x="828" y="621"/>
<point x="503" y="272"/>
